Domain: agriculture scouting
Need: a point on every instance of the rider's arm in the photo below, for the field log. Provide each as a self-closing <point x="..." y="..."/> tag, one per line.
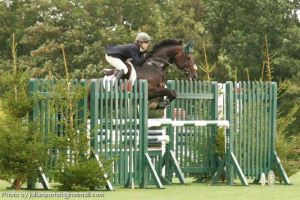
<point x="137" y="58"/>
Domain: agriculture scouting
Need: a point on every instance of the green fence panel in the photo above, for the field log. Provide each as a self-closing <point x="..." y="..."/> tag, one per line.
<point x="251" y="110"/>
<point x="118" y="125"/>
<point x="194" y="147"/>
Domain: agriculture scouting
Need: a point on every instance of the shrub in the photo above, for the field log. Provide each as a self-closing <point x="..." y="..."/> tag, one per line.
<point x="86" y="174"/>
<point x="21" y="149"/>
<point x="288" y="147"/>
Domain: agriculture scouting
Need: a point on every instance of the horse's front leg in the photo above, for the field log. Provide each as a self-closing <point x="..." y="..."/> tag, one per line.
<point x="160" y="93"/>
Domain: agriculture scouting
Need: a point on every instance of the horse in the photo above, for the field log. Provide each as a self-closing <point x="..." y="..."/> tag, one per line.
<point x="165" y="53"/>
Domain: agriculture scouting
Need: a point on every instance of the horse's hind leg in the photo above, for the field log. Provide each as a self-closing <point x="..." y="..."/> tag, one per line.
<point x="172" y="95"/>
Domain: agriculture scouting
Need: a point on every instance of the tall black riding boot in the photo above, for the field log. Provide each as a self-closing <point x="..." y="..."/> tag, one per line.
<point x="120" y="75"/>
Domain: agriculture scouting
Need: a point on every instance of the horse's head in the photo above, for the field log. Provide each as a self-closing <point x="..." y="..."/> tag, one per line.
<point x="185" y="62"/>
<point x="176" y="53"/>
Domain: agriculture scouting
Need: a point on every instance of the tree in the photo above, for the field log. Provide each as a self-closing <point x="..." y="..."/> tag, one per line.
<point x="238" y="29"/>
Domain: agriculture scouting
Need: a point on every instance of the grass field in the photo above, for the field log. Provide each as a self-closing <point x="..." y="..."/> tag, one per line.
<point x="191" y="191"/>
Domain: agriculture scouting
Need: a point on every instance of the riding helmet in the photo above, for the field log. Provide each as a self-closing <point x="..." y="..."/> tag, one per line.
<point x="142" y="37"/>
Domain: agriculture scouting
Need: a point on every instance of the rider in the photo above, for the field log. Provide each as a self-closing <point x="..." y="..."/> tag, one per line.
<point x="117" y="55"/>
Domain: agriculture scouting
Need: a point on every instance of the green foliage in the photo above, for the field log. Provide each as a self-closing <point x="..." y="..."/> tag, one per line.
<point x="20" y="104"/>
<point x="21" y="150"/>
<point x="288" y="146"/>
<point x="220" y="142"/>
<point x="65" y="101"/>
<point x="237" y="30"/>
<point x="234" y="32"/>
<point x="289" y="152"/>
<point x="73" y="168"/>
<point x="288" y="99"/>
<point x="83" y="175"/>
<point x="87" y="27"/>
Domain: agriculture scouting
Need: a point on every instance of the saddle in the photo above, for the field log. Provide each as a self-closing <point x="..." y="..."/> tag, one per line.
<point x="110" y="71"/>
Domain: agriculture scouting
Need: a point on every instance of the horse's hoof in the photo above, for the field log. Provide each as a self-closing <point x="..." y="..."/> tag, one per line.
<point x="166" y="102"/>
<point x="174" y="93"/>
<point x="161" y="105"/>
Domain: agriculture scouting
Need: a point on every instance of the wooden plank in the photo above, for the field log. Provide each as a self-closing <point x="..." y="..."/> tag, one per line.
<point x="136" y="174"/>
<point x="255" y="129"/>
<point x="274" y="120"/>
<point x="282" y="173"/>
<point x="219" y="172"/>
<point x="108" y="183"/>
<point x="190" y="95"/>
<point x="244" y="134"/>
<point x="204" y="169"/>
<point x="153" y="171"/>
<point x="177" y="167"/>
<point x="122" y="111"/>
<point x="229" y="133"/>
<point x="44" y="180"/>
<point x="238" y="169"/>
<point x="144" y="127"/>
<point x="261" y="142"/>
<point x="248" y="133"/>
<point x="101" y="109"/>
<point x="270" y="142"/>
<point x="265" y="138"/>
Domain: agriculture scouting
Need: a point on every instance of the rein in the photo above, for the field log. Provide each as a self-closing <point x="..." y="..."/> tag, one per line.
<point x="160" y="62"/>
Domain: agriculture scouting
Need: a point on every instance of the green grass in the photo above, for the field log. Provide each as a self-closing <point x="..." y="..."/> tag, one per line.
<point x="193" y="191"/>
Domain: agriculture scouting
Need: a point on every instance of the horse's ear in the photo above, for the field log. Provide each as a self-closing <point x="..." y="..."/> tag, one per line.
<point x="188" y="48"/>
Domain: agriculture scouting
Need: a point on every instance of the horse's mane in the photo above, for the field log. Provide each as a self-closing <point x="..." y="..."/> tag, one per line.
<point x="164" y="43"/>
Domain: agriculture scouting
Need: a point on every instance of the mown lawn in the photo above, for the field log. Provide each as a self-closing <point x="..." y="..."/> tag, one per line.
<point x="189" y="191"/>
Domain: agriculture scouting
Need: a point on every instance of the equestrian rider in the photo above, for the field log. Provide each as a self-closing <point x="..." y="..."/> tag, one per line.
<point x="117" y="55"/>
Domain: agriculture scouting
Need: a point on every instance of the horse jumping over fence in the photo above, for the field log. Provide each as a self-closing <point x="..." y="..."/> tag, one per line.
<point x="167" y="52"/>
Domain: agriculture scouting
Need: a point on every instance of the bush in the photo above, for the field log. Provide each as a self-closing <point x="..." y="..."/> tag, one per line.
<point x="288" y="147"/>
<point x="289" y="153"/>
<point x="21" y="151"/>
<point x="73" y="170"/>
<point x="83" y="175"/>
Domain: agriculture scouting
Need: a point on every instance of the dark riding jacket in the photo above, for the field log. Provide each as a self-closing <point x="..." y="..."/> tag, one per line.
<point x="127" y="51"/>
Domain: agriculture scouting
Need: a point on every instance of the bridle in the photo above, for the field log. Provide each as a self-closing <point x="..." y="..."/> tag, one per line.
<point x="161" y="62"/>
<point x="186" y="68"/>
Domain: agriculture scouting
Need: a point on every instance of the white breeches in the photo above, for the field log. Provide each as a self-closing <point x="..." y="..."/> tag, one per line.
<point x="116" y="62"/>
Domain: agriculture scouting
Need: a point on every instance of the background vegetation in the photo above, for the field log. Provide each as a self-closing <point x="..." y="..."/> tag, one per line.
<point x="243" y="40"/>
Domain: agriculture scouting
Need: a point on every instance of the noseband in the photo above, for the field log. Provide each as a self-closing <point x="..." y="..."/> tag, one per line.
<point x="186" y="63"/>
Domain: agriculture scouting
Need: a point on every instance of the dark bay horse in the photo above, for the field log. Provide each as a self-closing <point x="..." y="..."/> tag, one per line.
<point x="167" y="52"/>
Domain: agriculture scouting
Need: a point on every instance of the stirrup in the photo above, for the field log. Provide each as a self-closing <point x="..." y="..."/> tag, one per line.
<point x="120" y="74"/>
